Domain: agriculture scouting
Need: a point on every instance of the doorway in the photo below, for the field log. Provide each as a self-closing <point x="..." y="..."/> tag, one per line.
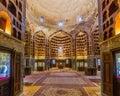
<point x="60" y="64"/>
<point x="117" y="73"/>
<point x="5" y="72"/>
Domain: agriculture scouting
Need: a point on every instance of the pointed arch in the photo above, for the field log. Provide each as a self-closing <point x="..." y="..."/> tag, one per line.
<point x="12" y="8"/>
<point x="5" y="22"/>
<point x="58" y="32"/>
<point x="39" y="45"/>
<point x="117" y="24"/>
<point x="81" y="44"/>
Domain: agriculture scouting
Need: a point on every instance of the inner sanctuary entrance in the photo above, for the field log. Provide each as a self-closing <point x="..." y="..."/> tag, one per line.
<point x="61" y="63"/>
<point x="61" y="50"/>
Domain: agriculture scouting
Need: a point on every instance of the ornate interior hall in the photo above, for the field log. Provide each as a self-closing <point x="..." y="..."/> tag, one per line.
<point x="59" y="47"/>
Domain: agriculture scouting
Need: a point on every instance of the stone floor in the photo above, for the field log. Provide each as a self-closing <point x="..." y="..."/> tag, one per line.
<point x="64" y="82"/>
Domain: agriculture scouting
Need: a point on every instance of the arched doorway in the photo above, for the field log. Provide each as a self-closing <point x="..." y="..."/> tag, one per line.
<point x="5" y="22"/>
<point x="81" y="51"/>
<point x="39" y="51"/>
<point x="60" y="50"/>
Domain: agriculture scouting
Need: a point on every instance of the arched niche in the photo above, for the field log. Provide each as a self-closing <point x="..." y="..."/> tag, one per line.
<point x="5" y="22"/>
<point x="81" y="44"/>
<point x="19" y="17"/>
<point x="4" y="2"/>
<point x="105" y="36"/>
<point x="19" y="35"/>
<point x="105" y="16"/>
<point x="113" y="7"/>
<point x="20" y="6"/>
<point x="12" y="8"/>
<point x="39" y="45"/>
<point x="14" y="32"/>
<point x="111" y="32"/>
<point x="117" y="24"/>
<point x="60" y="45"/>
<point x="81" y="50"/>
<point x="16" y="2"/>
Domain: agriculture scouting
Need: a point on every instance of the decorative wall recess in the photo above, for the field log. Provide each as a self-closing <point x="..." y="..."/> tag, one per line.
<point x="16" y="12"/>
<point x="5" y="21"/>
<point x="39" y="45"/>
<point x="96" y="40"/>
<point x="60" y="40"/>
<point x="81" y="44"/>
<point x="109" y="9"/>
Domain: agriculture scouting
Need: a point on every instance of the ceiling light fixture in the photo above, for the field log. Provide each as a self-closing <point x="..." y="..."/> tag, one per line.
<point x="42" y="19"/>
<point x="80" y="19"/>
<point x="60" y="23"/>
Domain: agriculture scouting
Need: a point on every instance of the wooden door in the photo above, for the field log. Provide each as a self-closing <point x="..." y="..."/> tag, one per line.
<point x="17" y="73"/>
<point x="107" y="73"/>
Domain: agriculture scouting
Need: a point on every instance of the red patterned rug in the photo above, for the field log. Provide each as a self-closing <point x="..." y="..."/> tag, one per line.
<point x="60" y="91"/>
<point x="95" y="80"/>
<point x="61" y="83"/>
<point x="63" y="79"/>
<point x="30" y="79"/>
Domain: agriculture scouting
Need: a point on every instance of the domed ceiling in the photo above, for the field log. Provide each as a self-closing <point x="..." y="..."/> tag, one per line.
<point x="71" y="12"/>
